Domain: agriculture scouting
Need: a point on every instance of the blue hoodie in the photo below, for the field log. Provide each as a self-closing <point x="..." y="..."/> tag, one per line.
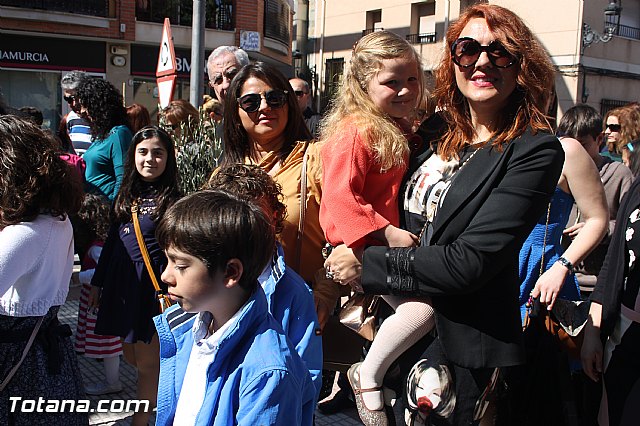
<point x="256" y="378"/>
<point x="291" y="303"/>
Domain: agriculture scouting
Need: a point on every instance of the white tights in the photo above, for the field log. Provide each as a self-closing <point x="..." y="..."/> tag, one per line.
<point x="412" y="320"/>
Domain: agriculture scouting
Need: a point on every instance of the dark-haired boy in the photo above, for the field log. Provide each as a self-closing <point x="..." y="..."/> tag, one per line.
<point x="223" y="358"/>
<point x="290" y="299"/>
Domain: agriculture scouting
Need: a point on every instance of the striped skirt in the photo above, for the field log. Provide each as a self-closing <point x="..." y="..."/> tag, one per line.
<point x="87" y="342"/>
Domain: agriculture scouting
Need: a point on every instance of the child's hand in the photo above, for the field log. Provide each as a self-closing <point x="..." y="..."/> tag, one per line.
<point x="591" y="353"/>
<point x="573" y="231"/>
<point x="396" y="237"/>
<point x="94" y="298"/>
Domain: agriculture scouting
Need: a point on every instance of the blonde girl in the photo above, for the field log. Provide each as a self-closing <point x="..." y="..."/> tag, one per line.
<point x="365" y="153"/>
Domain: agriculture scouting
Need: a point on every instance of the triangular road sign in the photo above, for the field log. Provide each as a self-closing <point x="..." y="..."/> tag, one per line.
<point x="166" y="86"/>
<point x="167" y="55"/>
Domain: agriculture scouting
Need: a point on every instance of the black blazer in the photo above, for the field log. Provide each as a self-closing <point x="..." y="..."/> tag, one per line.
<point x="610" y="284"/>
<point x="470" y="268"/>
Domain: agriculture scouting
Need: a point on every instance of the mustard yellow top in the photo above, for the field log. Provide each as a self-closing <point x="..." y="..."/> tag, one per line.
<point x="288" y="175"/>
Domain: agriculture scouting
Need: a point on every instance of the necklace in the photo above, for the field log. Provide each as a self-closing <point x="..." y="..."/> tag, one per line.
<point x="438" y="191"/>
<point x="468" y="158"/>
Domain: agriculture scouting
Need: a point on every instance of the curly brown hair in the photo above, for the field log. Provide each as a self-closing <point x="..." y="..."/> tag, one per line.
<point x="628" y="117"/>
<point x="527" y="104"/>
<point x="253" y="184"/>
<point x="33" y="177"/>
<point x="91" y="223"/>
<point x="103" y="102"/>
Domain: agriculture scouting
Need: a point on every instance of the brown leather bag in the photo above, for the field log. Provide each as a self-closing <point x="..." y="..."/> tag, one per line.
<point x="359" y="314"/>
<point x="567" y="330"/>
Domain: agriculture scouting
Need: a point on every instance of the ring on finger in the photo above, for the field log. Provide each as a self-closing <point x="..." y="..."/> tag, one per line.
<point x="329" y="275"/>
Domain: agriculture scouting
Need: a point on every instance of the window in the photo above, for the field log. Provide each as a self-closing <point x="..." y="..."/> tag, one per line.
<point x="277" y="16"/>
<point x="218" y="13"/>
<point x="466" y="3"/>
<point x="423" y="23"/>
<point x="607" y="105"/>
<point x="627" y="24"/>
<point x="332" y="77"/>
<point x="85" y="7"/>
<point x="374" y="21"/>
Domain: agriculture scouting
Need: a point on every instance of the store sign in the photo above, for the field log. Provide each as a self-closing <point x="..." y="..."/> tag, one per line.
<point x="250" y="41"/>
<point x="26" y="52"/>
<point x="24" y="56"/>
<point x="144" y="58"/>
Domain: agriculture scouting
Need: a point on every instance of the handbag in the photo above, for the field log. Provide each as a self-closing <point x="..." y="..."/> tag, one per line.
<point x="25" y="351"/>
<point x="163" y="300"/>
<point x="341" y="346"/>
<point x="565" y="321"/>
<point x="359" y="314"/>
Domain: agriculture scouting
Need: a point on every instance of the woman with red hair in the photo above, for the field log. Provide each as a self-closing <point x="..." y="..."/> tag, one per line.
<point x="473" y="191"/>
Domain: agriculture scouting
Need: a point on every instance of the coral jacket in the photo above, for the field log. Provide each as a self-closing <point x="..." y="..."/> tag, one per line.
<point x="357" y="198"/>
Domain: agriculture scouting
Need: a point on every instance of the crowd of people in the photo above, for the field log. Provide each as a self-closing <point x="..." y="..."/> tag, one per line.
<point x="462" y="207"/>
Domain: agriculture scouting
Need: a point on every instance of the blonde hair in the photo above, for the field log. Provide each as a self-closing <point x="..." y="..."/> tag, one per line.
<point x="210" y="105"/>
<point x="353" y="103"/>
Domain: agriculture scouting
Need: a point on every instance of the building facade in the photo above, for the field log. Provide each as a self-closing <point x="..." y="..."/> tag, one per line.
<point x="41" y="40"/>
<point x="589" y="70"/>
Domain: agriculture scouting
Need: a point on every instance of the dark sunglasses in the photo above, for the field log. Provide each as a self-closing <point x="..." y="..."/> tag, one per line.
<point x="613" y="127"/>
<point x="465" y="52"/>
<point x="69" y="99"/>
<point x="299" y="93"/>
<point x="275" y="98"/>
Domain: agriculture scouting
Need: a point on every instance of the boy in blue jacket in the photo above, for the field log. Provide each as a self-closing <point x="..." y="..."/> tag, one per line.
<point x="289" y="298"/>
<point x="223" y="358"/>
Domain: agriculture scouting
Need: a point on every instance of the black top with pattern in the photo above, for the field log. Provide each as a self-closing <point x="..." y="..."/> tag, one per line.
<point x="632" y="284"/>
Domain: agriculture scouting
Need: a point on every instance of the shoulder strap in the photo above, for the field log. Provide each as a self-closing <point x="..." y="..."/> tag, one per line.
<point x="303" y="208"/>
<point x="544" y="243"/>
<point x="143" y="247"/>
<point x="13" y="370"/>
<point x="529" y="304"/>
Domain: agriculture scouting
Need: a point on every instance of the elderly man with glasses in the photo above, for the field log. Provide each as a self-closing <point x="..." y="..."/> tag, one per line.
<point x="223" y="64"/>
<point x="303" y="94"/>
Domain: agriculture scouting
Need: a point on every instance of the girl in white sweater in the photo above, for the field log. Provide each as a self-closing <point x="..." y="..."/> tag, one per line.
<point x="38" y="191"/>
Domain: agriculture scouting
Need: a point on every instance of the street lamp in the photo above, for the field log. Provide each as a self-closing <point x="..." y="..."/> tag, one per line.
<point x="589" y="36"/>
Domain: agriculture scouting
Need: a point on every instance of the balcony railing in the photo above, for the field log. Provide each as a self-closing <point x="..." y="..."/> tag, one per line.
<point x="421" y="38"/>
<point x="623" y="30"/>
<point x="81" y="7"/>
<point x="218" y="13"/>
<point x="370" y="30"/>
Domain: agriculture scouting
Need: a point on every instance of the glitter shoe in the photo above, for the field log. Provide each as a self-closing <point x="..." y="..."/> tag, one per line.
<point x="368" y="417"/>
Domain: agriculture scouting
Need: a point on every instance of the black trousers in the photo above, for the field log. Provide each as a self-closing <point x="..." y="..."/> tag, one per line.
<point x="621" y="376"/>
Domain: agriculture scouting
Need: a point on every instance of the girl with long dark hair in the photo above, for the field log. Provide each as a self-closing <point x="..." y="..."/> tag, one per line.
<point x="122" y="286"/>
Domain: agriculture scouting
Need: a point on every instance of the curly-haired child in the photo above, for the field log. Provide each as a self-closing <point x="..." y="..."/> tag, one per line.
<point x="91" y="226"/>
<point x="38" y="192"/>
